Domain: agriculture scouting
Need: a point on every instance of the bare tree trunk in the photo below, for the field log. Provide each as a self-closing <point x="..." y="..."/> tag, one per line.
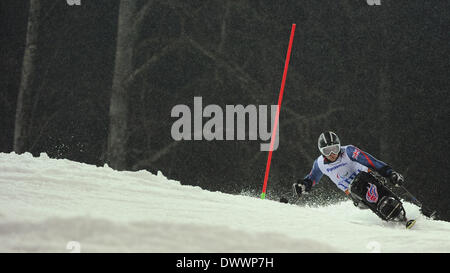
<point x="385" y="92"/>
<point x="385" y="102"/>
<point x="118" y="111"/>
<point x="27" y="83"/>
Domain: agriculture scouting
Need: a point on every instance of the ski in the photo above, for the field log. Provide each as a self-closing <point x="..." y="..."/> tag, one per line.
<point x="285" y="200"/>
<point x="410" y="223"/>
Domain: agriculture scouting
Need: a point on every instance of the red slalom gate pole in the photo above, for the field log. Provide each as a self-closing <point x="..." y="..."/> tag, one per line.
<point x="280" y="99"/>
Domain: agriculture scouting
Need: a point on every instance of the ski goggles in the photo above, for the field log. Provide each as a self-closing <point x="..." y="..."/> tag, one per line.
<point x="326" y="151"/>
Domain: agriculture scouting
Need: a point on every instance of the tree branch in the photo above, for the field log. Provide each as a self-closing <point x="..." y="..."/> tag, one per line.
<point x="235" y="69"/>
<point x="141" y="14"/>
<point x="156" y="57"/>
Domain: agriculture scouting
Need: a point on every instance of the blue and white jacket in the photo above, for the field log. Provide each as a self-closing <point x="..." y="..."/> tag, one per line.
<point x="350" y="162"/>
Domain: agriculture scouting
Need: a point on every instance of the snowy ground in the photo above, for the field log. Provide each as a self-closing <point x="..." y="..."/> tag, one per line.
<point x="49" y="205"/>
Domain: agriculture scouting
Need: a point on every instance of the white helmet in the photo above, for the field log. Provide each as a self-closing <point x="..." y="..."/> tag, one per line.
<point x="328" y="143"/>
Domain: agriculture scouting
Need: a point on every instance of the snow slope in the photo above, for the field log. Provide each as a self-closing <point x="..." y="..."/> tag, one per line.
<point x="49" y="205"/>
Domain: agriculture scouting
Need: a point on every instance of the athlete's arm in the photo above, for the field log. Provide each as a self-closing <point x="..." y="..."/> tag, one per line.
<point x="368" y="160"/>
<point x="313" y="177"/>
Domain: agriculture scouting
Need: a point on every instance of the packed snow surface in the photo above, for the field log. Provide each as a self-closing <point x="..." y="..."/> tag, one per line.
<point x="50" y="205"/>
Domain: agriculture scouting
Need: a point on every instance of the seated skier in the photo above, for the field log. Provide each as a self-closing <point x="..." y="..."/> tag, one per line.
<point x="342" y="164"/>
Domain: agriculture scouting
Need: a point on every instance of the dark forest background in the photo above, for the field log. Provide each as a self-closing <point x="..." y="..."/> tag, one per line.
<point x="100" y="79"/>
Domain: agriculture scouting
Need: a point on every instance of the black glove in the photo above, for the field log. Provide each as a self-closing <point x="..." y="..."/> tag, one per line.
<point x="298" y="189"/>
<point x="396" y="179"/>
<point x="302" y="186"/>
